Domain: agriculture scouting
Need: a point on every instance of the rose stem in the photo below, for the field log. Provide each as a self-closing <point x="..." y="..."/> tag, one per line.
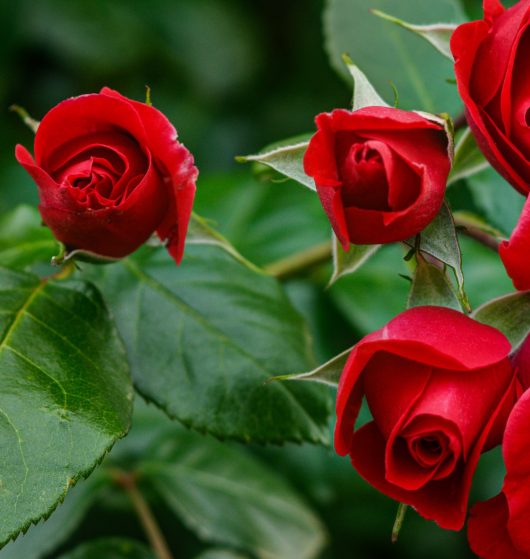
<point x="398" y="523"/>
<point x="460" y="121"/>
<point x="300" y="262"/>
<point x="476" y="233"/>
<point x="127" y="482"/>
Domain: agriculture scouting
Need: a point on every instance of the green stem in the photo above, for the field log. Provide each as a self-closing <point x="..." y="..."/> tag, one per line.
<point x="473" y="231"/>
<point x="127" y="482"/>
<point x="398" y="523"/>
<point x="300" y="262"/>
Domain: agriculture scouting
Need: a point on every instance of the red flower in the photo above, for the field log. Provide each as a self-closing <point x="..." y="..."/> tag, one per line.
<point x="439" y="386"/>
<point x="515" y="253"/>
<point x="491" y="66"/>
<point x="380" y="173"/>
<point x="110" y="172"/>
<point x="498" y="528"/>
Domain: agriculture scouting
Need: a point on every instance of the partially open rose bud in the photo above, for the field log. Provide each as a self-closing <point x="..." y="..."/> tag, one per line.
<point x="380" y="173"/>
<point x="439" y="386"/>
<point x="110" y="172"/>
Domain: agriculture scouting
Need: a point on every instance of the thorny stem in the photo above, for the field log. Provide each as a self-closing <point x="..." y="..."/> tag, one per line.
<point x="127" y="481"/>
<point x="300" y="262"/>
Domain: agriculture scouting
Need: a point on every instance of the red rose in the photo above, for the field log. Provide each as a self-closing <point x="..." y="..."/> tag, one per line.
<point x="380" y="172"/>
<point x="110" y="172"/>
<point x="499" y="528"/>
<point x="439" y="386"/>
<point x="491" y="67"/>
<point x="515" y="253"/>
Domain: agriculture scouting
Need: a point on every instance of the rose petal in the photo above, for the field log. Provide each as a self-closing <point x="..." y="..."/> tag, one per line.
<point x="515" y="253"/>
<point x="444" y="500"/>
<point x="487" y="532"/>
<point x="177" y="163"/>
<point x="516" y="488"/>
<point x="434" y="336"/>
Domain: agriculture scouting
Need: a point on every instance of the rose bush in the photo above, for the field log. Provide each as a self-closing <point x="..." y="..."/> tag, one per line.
<point x="110" y="172"/>
<point x="380" y="172"/>
<point x="491" y="68"/>
<point x="439" y="386"/>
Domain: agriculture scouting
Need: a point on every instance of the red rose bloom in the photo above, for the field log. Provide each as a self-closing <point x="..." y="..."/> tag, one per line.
<point x="498" y="528"/>
<point x="439" y="386"/>
<point x="491" y="67"/>
<point x="515" y="253"/>
<point x="380" y="173"/>
<point x="110" y="172"/>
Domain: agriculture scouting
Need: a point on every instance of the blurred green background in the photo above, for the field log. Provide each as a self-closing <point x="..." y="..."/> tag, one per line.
<point x="233" y="76"/>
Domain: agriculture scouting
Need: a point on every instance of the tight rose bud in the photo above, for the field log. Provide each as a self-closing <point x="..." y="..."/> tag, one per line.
<point x="439" y="386"/>
<point x="110" y="172"/>
<point x="380" y="173"/>
<point x="491" y="67"/>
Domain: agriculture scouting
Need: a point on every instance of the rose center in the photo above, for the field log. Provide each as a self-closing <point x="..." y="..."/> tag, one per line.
<point x="364" y="178"/>
<point x="101" y="169"/>
<point x="428" y="450"/>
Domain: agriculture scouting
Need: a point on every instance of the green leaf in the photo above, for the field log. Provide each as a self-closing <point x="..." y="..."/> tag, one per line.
<point x="228" y="497"/>
<point x="265" y="221"/>
<point x="24" y="241"/>
<point x="431" y="286"/>
<point x="390" y="55"/>
<point x="439" y="239"/>
<point x="329" y="373"/>
<point x="203" y="338"/>
<point x="347" y="262"/>
<point x="65" y="393"/>
<point x="510" y="314"/>
<point x="201" y="233"/>
<point x="500" y="204"/>
<point x="110" y="548"/>
<point x="286" y="157"/>
<point x="364" y="93"/>
<point x="48" y="535"/>
<point x="468" y="159"/>
<point x="437" y="34"/>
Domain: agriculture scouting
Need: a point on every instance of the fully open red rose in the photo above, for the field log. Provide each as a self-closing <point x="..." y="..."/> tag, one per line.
<point x="439" y="386"/>
<point x="491" y="66"/>
<point x="515" y="253"/>
<point x="110" y="172"/>
<point x="380" y="172"/>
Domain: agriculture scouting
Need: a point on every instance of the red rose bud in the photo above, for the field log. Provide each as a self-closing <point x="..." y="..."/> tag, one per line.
<point x="110" y="172"/>
<point x="515" y="253"/>
<point x="439" y="386"/>
<point x="491" y="67"/>
<point x="498" y="528"/>
<point x="380" y="173"/>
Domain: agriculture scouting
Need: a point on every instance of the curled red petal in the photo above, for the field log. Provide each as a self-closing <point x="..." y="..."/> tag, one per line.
<point x="177" y="165"/>
<point x="515" y="253"/>
<point x="487" y="531"/>
<point x="435" y="336"/>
